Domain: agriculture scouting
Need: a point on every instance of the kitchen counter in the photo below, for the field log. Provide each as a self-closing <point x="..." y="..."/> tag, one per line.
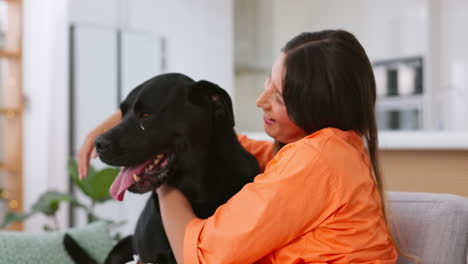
<point x="408" y="140"/>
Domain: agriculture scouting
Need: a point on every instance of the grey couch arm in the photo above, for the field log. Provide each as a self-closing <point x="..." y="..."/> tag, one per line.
<point x="432" y="226"/>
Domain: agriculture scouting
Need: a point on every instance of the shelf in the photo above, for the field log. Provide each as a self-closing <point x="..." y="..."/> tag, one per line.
<point x="8" y="167"/>
<point x="414" y="60"/>
<point x="424" y="140"/>
<point x="406" y="140"/>
<point x="10" y="54"/>
<point x="400" y="102"/>
<point x="10" y="112"/>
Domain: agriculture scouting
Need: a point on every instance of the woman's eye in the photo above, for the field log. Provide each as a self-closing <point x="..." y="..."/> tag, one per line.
<point x="279" y="100"/>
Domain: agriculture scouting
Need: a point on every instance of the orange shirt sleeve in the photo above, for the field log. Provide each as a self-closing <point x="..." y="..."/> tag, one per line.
<point x="267" y="214"/>
<point x="262" y="150"/>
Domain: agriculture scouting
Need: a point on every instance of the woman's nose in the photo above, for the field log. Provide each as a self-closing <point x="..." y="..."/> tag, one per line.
<point x="262" y="100"/>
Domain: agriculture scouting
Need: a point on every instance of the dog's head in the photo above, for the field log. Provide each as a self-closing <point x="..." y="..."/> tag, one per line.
<point x="162" y="119"/>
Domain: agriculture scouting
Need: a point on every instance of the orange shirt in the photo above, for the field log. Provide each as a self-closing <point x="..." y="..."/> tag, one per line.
<point x="315" y="202"/>
<point x="262" y="150"/>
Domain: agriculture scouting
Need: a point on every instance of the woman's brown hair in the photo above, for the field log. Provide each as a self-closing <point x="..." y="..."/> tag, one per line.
<point x="329" y="82"/>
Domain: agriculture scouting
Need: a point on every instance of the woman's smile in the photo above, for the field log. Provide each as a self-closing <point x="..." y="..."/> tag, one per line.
<point x="268" y="120"/>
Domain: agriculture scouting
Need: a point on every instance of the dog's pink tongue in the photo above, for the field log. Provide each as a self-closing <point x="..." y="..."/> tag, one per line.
<point x="124" y="180"/>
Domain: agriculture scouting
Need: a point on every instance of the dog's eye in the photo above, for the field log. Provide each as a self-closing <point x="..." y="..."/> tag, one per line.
<point x="145" y="115"/>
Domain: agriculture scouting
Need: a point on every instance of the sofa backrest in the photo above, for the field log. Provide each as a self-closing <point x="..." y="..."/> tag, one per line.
<point x="48" y="248"/>
<point x="431" y="226"/>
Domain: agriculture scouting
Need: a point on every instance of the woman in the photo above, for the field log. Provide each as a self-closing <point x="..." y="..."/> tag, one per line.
<point x="319" y="198"/>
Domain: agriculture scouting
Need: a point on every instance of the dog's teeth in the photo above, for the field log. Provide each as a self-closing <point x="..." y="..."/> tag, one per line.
<point x="136" y="178"/>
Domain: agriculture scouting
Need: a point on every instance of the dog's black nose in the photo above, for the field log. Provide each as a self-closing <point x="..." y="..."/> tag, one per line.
<point x="102" y="144"/>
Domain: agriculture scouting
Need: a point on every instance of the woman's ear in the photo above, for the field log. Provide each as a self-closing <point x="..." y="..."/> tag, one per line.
<point x="205" y="92"/>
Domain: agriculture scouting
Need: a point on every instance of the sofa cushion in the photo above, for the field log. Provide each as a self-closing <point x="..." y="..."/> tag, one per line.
<point x="432" y="226"/>
<point x="47" y="247"/>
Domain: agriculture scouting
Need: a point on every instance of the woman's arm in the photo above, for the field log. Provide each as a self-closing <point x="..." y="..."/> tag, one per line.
<point x="176" y="213"/>
<point x="290" y="198"/>
<point x="87" y="149"/>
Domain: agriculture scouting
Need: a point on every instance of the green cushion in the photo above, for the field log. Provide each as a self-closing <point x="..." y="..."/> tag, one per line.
<point x="47" y="247"/>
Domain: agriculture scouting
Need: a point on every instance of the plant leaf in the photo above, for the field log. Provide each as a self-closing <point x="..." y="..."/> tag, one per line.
<point x="97" y="185"/>
<point x="74" y="202"/>
<point x="73" y="168"/>
<point x="73" y="171"/>
<point x="49" y="202"/>
<point x="13" y="217"/>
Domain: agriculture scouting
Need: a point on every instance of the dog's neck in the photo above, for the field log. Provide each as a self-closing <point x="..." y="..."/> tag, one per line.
<point x="221" y="147"/>
<point x="224" y="142"/>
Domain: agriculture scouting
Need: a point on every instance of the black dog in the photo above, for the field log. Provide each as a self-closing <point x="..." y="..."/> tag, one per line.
<point x="177" y="131"/>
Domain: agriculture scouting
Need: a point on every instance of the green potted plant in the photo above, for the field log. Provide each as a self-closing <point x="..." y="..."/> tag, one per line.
<point x="95" y="187"/>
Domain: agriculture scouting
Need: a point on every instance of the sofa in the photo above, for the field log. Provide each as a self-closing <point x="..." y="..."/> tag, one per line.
<point x="431" y="226"/>
<point x="47" y="247"/>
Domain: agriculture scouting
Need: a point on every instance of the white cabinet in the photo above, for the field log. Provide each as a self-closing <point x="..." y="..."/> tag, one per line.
<point x="400" y="93"/>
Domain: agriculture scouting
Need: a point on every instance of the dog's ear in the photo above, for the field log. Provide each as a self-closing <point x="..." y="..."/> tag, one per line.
<point x="205" y="91"/>
<point x="130" y="99"/>
<point x="76" y="252"/>
<point x="122" y="252"/>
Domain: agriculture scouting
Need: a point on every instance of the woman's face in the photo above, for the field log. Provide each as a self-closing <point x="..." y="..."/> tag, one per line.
<point x="276" y="120"/>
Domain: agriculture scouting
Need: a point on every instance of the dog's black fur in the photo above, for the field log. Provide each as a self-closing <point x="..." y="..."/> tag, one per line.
<point x="122" y="252"/>
<point x="192" y="123"/>
<point x="76" y="252"/>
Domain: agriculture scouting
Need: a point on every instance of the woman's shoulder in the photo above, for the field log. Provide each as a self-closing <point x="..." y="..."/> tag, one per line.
<point x="301" y="155"/>
<point x="332" y="141"/>
<point x="306" y="160"/>
<point x="342" y="154"/>
<point x="324" y="139"/>
<point x="329" y="147"/>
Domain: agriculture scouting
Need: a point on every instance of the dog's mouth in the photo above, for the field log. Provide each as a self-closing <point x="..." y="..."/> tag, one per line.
<point x="143" y="177"/>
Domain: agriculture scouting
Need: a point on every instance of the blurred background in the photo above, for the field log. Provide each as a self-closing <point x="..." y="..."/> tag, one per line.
<point x="66" y="64"/>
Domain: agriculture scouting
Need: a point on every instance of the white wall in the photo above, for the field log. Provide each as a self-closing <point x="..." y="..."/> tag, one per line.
<point x="199" y="35"/>
<point x="45" y="85"/>
<point x="386" y="29"/>
<point x="453" y="63"/>
<point x="199" y="44"/>
<point x="253" y="34"/>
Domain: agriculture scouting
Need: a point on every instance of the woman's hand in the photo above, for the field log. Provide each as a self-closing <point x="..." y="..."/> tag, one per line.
<point x="176" y="213"/>
<point x="87" y="149"/>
